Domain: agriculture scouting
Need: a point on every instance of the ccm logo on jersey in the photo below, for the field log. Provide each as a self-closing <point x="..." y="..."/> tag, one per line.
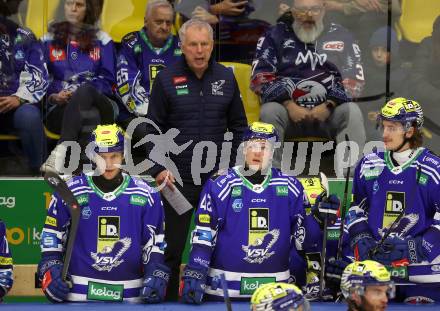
<point x="258" y="200"/>
<point x="333" y="46"/>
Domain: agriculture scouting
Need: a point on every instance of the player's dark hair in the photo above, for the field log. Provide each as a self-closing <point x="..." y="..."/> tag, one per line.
<point x="86" y="35"/>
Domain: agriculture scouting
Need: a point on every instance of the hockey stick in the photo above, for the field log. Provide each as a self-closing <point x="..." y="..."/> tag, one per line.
<point x="60" y="187"/>
<point x="324" y="183"/>
<point x="344" y="203"/>
<point x="397" y="220"/>
<point x="225" y="292"/>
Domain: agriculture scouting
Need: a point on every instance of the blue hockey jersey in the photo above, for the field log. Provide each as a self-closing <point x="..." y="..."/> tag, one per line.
<point x="69" y="67"/>
<point x="118" y="233"/>
<point x="138" y="64"/>
<point x="5" y="258"/>
<point x="286" y="68"/>
<point x="248" y="231"/>
<point x="382" y="191"/>
<point x="23" y="70"/>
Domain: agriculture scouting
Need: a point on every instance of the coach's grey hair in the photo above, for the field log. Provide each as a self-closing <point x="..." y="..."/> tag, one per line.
<point x="152" y="4"/>
<point x="195" y="23"/>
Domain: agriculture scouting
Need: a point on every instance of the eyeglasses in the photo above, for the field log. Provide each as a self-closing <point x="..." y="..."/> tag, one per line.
<point x="314" y="10"/>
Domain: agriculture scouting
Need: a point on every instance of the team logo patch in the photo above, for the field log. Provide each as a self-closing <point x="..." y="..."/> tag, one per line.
<point x="86" y="212"/>
<point x="375" y="187"/>
<point x="260" y="250"/>
<point x="217" y="87"/>
<point x="110" y="256"/>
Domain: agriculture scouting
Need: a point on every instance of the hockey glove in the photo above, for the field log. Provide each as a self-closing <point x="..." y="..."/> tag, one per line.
<point x="6" y="281"/>
<point x="193" y="284"/>
<point x="363" y="244"/>
<point x="395" y="249"/>
<point x="326" y="207"/>
<point x="53" y="286"/>
<point x="333" y="272"/>
<point x="155" y="283"/>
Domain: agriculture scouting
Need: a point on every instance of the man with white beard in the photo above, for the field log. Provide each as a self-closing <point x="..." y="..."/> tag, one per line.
<point x="307" y="73"/>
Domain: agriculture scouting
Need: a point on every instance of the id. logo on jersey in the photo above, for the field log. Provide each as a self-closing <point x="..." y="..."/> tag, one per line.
<point x="394" y="205"/>
<point x="110" y="247"/>
<point x="260" y="239"/>
<point x="153" y="71"/>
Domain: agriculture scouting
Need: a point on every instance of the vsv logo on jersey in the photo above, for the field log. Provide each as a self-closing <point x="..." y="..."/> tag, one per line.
<point x="109" y="247"/>
<point x="259" y="251"/>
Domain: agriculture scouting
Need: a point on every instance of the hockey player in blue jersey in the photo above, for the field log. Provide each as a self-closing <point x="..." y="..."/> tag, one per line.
<point x="249" y="221"/>
<point x="143" y="54"/>
<point x="395" y="216"/>
<point x="6" y="276"/>
<point x="118" y="250"/>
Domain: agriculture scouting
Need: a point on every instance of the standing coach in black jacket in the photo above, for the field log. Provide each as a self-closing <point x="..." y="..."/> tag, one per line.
<point x="201" y="99"/>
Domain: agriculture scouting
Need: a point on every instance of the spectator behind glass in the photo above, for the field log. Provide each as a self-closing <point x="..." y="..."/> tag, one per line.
<point x="376" y="63"/>
<point x="142" y="55"/>
<point x="305" y="73"/>
<point x="235" y="33"/>
<point x="23" y="84"/>
<point x="425" y="84"/>
<point x="82" y="64"/>
<point x="362" y="17"/>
